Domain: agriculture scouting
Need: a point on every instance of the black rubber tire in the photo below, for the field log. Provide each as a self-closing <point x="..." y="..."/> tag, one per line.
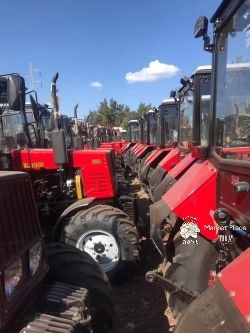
<point x="115" y="222"/>
<point x="72" y="266"/>
<point x="188" y="266"/>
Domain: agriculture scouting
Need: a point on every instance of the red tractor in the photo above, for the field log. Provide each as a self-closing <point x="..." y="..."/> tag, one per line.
<point x="193" y="100"/>
<point x="82" y="186"/>
<point x="53" y="288"/>
<point x="210" y="202"/>
<point x="138" y="154"/>
<point x="166" y="140"/>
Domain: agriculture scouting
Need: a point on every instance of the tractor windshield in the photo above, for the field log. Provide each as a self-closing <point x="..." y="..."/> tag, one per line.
<point x="232" y="125"/>
<point x="186" y="118"/>
<point x="170" y="125"/>
<point x="13" y="124"/>
<point x="145" y="127"/>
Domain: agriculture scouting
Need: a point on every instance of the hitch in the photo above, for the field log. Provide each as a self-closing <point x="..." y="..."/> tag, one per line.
<point x="182" y="294"/>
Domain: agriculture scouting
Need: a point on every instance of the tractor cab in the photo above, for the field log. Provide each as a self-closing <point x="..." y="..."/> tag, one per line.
<point x="148" y="141"/>
<point x="194" y="105"/>
<point x="132" y="141"/>
<point x="167" y="118"/>
<point x="167" y="124"/>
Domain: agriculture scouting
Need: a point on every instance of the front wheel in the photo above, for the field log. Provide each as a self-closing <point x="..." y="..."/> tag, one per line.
<point x="108" y="236"/>
<point x="71" y="266"/>
<point x="188" y="266"/>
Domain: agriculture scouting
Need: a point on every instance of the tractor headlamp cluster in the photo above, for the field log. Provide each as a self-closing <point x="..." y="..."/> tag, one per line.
<point x="35" y="258"/>
<point x="14" y="273"/>
<point x="13" y="276"/>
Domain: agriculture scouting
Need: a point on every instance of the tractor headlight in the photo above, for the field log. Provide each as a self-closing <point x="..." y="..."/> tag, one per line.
<point x="13" y="278"/>
<point x="35" y="258"/>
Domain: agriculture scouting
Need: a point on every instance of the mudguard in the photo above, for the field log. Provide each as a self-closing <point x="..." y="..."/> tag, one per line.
<point x="172" y="176"/>
<point x="151" y="159"/>
<point x="166" y="164"/>
<point x="223" y="307"/>
<point x="193" y="195"/>
<point x="74" y="208"/>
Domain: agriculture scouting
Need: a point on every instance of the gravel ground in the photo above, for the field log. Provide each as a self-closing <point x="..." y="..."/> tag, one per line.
<point x="140" y="306"/>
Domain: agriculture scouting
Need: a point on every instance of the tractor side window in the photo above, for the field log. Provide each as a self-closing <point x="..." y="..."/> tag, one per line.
<point x="134" y="133"/>
<point x="152" y="129"/>
<point x="232" y="125"/>
<point x="145" y="130"/>
<point x="186" y="119"/>
<point x="171" y="124"/>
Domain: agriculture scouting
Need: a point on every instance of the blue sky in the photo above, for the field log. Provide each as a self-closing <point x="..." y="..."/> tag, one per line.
<point x="100" y="47"/>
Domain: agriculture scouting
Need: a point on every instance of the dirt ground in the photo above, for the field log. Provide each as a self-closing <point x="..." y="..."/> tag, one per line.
<point x="140" y="306"/>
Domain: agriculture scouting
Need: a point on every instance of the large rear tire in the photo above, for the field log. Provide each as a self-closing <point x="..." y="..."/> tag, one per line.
<point x="188" y="266"/>
<point x="108" y="236"/>
<point x="71" y="266"/>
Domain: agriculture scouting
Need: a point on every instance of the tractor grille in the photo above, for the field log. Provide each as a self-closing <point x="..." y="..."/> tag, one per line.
<point x="98" y="182"/>
<point x="18" y="218"/>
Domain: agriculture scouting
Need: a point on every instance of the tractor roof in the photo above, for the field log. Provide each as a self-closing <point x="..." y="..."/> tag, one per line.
<point x="202" y="70"/>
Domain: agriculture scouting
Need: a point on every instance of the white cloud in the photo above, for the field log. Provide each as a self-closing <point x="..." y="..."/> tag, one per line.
<point x="96" y="85"/>
<point x="155" y="71"/>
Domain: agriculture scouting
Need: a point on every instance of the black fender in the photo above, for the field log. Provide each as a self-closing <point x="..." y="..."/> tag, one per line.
<point x="159" y="211"/>
<point x="167" y="182"/>
<point x="74" y="208"/>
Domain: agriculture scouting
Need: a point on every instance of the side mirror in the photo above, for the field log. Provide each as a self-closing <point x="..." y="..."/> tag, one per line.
<point x="172" y="94"/>
<point x="16" y="92"/>
<point x="200" y="28"/>
<point x="184" y="80"/>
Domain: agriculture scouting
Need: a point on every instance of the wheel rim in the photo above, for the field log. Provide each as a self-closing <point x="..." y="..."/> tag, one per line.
<point x="102" y="247"/>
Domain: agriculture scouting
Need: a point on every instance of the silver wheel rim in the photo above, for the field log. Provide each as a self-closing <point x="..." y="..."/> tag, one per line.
<point x="102" y="247"/>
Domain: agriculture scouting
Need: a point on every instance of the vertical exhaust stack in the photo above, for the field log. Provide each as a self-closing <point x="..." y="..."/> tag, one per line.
<point x="77" y="140"/>
<point x="58" y="136"/>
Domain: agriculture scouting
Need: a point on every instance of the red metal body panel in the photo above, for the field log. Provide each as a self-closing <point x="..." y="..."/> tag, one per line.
<point x="153" y="152"/>
<point x="139" y="147"/>
<point x="152" y="157"/>
<point x="138" y="144"/>
<point x="125" y="147"/>
<point x="113" y="145"/>
<point x="94" y="166"/>
<point x="195" y="195"/>
<point x="235" y="280"/>
<point x="241" y="153"/>
<point x="171" y="158"/>
<point x="181" y="166"/>
<point x="138" y="153"/>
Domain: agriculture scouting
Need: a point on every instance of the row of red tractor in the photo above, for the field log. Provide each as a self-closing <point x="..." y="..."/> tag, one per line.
<point x="191" y="155"/>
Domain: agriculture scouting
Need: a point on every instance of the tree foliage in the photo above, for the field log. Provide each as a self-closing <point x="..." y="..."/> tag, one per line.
<point x="115" y="114"/>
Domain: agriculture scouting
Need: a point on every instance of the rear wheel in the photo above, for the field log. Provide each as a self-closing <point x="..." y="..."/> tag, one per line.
<point x="108" y="236"/>
<point x="188" y="266"/>
<point x="71" y="266"/>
